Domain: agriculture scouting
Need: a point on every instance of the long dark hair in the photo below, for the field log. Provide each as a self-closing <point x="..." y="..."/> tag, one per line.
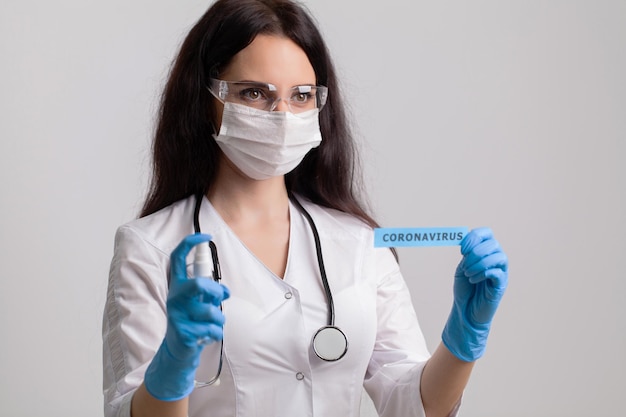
<point x="185" y="154"/>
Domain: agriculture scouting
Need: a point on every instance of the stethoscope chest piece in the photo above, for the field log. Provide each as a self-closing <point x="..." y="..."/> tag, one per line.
<point x="330" y="343"/>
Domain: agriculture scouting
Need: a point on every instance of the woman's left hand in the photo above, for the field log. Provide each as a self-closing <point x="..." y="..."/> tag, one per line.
<point x="479" y="284"/>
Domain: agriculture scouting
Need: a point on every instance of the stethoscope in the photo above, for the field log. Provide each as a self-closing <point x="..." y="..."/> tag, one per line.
<point x="329" y="342"/>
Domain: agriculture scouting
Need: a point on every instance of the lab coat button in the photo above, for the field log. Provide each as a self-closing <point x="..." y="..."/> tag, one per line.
<point x="299" y="376"/>
<point x="288" y="295"/>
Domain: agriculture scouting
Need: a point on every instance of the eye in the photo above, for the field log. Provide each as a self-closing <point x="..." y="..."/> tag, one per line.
<point x="253" y="94"/>
<point x="303" y="95"/>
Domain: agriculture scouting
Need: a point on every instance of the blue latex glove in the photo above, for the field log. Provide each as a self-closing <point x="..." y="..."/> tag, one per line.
<point x="479" y="284"/>
<point x="193" y="314"/>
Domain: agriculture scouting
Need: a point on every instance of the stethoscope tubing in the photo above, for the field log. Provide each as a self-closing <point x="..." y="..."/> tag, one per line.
<point x="320" y="261"/>
<point x="329" y="342"/>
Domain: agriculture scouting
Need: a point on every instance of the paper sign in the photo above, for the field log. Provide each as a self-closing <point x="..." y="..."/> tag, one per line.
<point x="419" y="236"/>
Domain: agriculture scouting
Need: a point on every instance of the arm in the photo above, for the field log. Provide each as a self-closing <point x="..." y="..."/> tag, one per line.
<point x="443" y="380"/>
<point x="145" y="405"/>
<point x="402" y="378"/>
<point x="193" y="319"/>
<point x="143" y="371"/>
<point x="479" y="284"/>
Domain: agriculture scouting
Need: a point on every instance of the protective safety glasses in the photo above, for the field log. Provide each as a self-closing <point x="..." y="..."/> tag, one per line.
<point x="265" y="96"/>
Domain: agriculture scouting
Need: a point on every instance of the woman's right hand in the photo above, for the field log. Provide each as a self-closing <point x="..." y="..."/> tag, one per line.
<point x="194" y="318"/>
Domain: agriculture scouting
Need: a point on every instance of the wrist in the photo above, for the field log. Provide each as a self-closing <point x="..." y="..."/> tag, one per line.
<point x="466" y="341"/>
<point x="168" y="378"/>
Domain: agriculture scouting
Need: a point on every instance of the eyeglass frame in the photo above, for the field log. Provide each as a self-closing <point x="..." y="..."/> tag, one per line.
<point x="220" y="90"/>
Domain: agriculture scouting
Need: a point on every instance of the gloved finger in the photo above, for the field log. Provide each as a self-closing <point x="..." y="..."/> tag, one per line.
<point x="205" y="313"/>
<point x="480" y="251"/>
<point x="204" y="289"/>
<point x="178" y="258"/>
<point x="494" y="278"/>
<point x="215" y="332"/>
<point x="482" y="309"/>
<point x="475" y="237"/>
<point x="497" y="281"/>
<point x="188" y="333"/>
<point x="211" y="291"/>
<point x="209" y="334"/>
<point x="497" y="260"/>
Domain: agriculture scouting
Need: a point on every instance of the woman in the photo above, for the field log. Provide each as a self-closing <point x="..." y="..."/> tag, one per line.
<point x="251" y="141"/>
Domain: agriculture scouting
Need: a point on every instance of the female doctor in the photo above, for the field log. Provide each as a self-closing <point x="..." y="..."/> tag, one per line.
<point x="253" y="148"/>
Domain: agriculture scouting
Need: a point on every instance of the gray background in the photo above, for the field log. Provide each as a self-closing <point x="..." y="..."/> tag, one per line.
<point x="509" y="114"/>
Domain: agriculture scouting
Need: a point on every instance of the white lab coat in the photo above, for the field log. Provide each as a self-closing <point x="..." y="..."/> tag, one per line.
<point x="269" y="367"/>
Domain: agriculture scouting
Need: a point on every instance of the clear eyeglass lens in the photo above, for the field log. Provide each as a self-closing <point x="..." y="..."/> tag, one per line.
<point x="263" y="96"/>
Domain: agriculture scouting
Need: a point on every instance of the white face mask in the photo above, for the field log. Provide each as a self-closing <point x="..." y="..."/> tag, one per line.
<point x="265" y="144"/>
